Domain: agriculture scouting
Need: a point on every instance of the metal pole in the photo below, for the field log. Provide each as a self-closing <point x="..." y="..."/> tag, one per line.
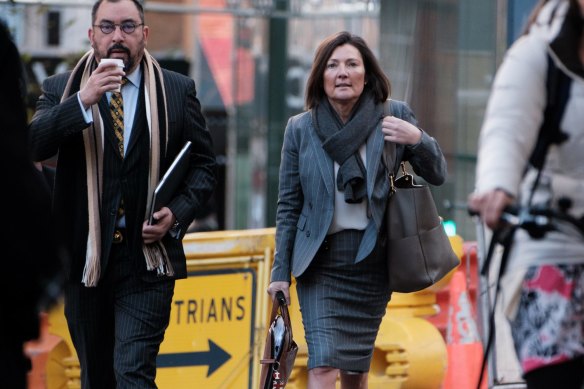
<point x="484" y="301"/>
<point x="277" y="109"/>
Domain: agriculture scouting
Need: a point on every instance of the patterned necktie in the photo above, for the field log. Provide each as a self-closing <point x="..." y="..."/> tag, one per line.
<point x="117" y="112"/>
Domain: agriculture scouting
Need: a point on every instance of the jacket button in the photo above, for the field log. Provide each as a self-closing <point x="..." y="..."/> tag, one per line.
<point x="308" y="234"/>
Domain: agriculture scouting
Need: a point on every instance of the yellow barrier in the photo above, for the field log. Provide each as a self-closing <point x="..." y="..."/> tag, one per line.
<point x="219" y="321"/>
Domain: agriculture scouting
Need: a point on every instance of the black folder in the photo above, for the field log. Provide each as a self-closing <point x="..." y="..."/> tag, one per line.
<point x="174" y="176"/>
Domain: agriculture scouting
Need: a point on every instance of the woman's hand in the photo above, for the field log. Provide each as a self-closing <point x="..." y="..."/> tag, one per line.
<point x="399" y="131"/>
<point x="490" y="205"/>
<point x="275" y="286"/>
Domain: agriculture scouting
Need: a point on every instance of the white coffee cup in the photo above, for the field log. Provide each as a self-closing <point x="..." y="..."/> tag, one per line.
<point x="113" y="61"/>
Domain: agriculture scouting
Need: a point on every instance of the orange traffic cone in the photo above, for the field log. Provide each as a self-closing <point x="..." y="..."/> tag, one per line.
<point x="465" y="350"/>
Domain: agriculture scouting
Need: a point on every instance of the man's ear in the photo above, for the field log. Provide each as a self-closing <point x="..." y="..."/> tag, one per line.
<point x="146" y="31"/>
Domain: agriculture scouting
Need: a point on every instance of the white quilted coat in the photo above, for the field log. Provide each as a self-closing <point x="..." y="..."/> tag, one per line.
<point x="512" y="121"/>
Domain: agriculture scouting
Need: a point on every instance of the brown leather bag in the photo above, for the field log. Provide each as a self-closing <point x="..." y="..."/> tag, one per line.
<point x="280" y="350"/>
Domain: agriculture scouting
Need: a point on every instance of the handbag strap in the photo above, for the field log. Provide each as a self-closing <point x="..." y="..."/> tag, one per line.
<point x="281" y="303"/>
<point x="389" y="153"/>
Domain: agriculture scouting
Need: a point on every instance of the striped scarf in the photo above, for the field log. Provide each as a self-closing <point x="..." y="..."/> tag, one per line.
<point x="93" y="139"/>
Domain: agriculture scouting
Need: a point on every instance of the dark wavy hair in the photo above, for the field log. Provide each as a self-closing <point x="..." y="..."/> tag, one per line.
<point x="377" y="81"/>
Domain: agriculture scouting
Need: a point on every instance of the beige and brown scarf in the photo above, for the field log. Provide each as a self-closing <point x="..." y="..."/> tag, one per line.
<point x="93" y="137"/>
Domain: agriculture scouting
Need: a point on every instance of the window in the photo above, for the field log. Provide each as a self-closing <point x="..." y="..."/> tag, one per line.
<point x="53" y="28"/>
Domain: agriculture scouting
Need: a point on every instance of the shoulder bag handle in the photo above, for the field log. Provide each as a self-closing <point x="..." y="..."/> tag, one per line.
<point x="389" y="154"/>
<point x="281" y="303"/>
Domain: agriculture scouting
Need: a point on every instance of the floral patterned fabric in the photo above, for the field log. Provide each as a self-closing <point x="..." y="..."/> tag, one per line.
<point x="549" y="326"/>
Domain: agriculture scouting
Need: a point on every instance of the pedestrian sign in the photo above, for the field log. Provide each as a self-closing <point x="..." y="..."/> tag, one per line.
<point x="210" y="339"/>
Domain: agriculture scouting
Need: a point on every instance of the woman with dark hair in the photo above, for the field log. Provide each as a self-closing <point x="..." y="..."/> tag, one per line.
<point x="333" y="191"/>
<point x="543" y="287"/>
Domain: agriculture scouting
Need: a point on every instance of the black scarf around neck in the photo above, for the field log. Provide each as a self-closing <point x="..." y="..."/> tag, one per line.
<point x="342" y="141"/>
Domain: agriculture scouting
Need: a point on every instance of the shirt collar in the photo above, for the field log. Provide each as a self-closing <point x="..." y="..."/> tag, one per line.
<point x="135" y="77"/>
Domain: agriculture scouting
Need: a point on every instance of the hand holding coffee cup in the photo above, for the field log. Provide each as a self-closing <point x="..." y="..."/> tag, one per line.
<point x="113" y="62"/>
<point x="106" y="78"/>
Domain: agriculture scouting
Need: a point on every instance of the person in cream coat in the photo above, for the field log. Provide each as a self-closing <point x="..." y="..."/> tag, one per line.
<point x="543" y="287"/>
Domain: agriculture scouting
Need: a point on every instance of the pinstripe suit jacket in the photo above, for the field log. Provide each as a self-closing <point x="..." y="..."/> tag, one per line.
<point x="57" y="128"/>
<point x="307" y="188"/>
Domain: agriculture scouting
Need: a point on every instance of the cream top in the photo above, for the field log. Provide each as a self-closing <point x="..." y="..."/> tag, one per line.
<point x="349" y="216"/>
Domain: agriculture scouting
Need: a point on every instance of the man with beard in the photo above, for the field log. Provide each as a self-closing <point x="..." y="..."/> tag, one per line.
<point x="112" y="150"/>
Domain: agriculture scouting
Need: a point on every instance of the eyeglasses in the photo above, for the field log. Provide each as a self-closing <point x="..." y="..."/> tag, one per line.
<point x="126" y="27"/>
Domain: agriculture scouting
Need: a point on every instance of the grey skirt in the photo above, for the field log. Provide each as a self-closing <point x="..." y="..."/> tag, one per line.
<point x="342" y="303"/>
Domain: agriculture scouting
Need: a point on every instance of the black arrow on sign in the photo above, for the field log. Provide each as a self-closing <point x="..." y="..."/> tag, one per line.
<point x="215" y="358"/>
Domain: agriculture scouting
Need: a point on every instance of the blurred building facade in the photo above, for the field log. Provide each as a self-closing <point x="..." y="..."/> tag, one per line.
<point x="250" y="60"/>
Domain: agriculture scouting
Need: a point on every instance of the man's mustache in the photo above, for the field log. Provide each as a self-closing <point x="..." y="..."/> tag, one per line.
<point x="118" y="46"/>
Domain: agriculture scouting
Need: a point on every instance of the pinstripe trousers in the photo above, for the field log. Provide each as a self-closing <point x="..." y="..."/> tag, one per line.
<point x="117" y="327"/>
